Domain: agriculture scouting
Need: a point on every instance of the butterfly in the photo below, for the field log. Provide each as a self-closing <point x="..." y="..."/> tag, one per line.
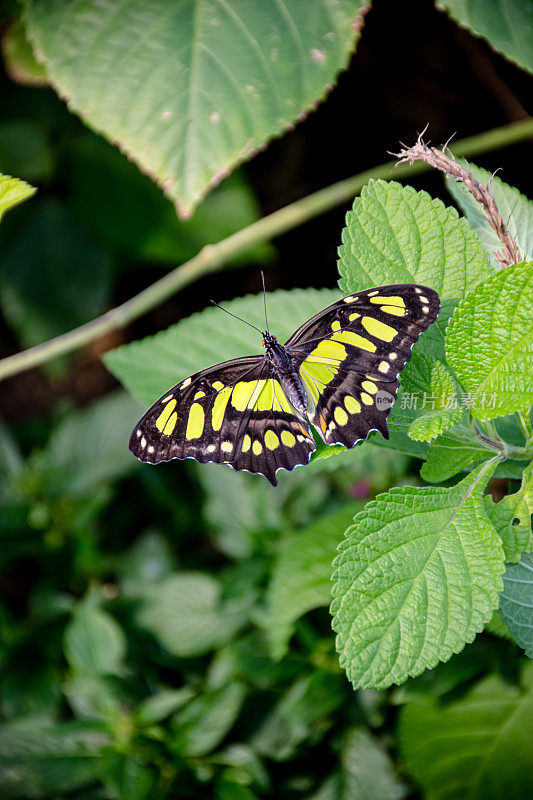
<point x="338" y="372"/>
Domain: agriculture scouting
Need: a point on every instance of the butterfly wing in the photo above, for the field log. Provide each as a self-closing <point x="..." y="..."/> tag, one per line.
<point x="233" y="413"/>
<point x="351" y="353"/>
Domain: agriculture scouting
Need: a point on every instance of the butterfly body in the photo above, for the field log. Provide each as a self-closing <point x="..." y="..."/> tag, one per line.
<point x="338" y="372"/>
<point x="285" y="368"/>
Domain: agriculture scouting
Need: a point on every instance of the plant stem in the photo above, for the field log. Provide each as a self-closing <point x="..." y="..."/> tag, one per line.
<point x="212" y="257"/>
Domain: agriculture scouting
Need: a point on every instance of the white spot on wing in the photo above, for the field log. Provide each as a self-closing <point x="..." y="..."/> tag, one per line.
<point x="226" y="447"/>
<point x="185" y="383"/>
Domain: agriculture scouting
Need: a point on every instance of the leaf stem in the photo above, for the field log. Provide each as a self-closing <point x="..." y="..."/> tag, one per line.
<point x="212" y="257"/>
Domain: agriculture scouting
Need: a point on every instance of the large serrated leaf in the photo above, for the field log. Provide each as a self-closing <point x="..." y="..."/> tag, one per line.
<point x="417" y="576"/>
<point x="190" y="89"/>
<point x="149" y="367"/>
<point x="515" y="209"/>
<point x="516" y="602"/>
<point x="505" y="25"/>
<point x="478" y="748"/>
<point x="489" y="343"/>
<point x="395" y="234"/>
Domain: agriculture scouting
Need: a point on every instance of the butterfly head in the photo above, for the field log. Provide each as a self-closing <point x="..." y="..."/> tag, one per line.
<point x="269" y="340"/>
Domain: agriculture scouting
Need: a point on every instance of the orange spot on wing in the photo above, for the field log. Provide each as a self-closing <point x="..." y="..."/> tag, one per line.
<point x="302" y="429"/>
<point x="323" y="424"/>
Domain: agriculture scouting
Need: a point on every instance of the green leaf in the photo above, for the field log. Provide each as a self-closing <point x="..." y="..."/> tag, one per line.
<point x="186" y="614"/>
<point x="512" y="517"/>
<point x="130" y="212"/>
<point x="483" y="742"/>
<point x="367" y="770"/>
<point x="129" y="776"/>
<point x="206" y="720"/>
<point x="516" y="602"/>
<point x="416" y="578"/>
<point x="450" y="453"/>
<point x="188" y="90"/>
<point x="43" y="761"/>
<point x="496" y="627"/>
<point x="90" y="447"/>
<point x="13" y="192"/>
<point x="149" y="367"/>
<point x="94" y="641"/>
<point x="429" y="426"/>
<point x="516" y="210"/>
<point x="506" y="26"/>
<point x="395" y="234"/>
<point x="302" y="713"/>
<point x="443" y="402"/>
<point x="301" y="576"/>
<point x="489" y="343"/>
<point x="74" y="276"/>
<point x="161" y="705"/>
<point x="18" y="57"/>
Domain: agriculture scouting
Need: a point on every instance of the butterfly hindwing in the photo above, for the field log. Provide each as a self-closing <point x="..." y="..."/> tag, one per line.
<point x="234" y="413"/>
<point x="351" y="353"/>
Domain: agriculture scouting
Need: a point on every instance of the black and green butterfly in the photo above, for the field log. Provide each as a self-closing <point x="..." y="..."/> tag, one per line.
<point x="338" y="371"/>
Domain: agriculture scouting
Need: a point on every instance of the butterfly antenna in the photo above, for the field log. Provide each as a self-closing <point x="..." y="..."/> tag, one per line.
<point x="265" y="299"/>
<point x="236" y="317"/>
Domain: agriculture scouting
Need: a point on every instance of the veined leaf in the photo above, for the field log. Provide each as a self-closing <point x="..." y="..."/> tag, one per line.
<point x="516" y="602"/>
<point x="190" y="89"/>
<point x="151" y="366"/>
<point x="489" y="343"/>
<point x="444" y="411"/>
<point x="13" y="192"/>
<point x="516" y="210"/>
<point x="301" y="576"/>
<point x="395" y="234"/>
<point x="512" y="517"/>
<point x="417" y="576"/>
<point x="506" y="26"/>
<point x="478" y="748"/>
<point x="450" y="453"/>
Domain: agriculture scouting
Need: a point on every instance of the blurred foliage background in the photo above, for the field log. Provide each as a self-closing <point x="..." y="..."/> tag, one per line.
<point x="164" y="632"/>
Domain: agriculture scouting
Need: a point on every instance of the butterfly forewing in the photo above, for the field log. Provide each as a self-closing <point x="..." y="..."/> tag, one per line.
<point x="372" y="332"/>
<point x="351" y="354"/>
<point x="234" y="413"/>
